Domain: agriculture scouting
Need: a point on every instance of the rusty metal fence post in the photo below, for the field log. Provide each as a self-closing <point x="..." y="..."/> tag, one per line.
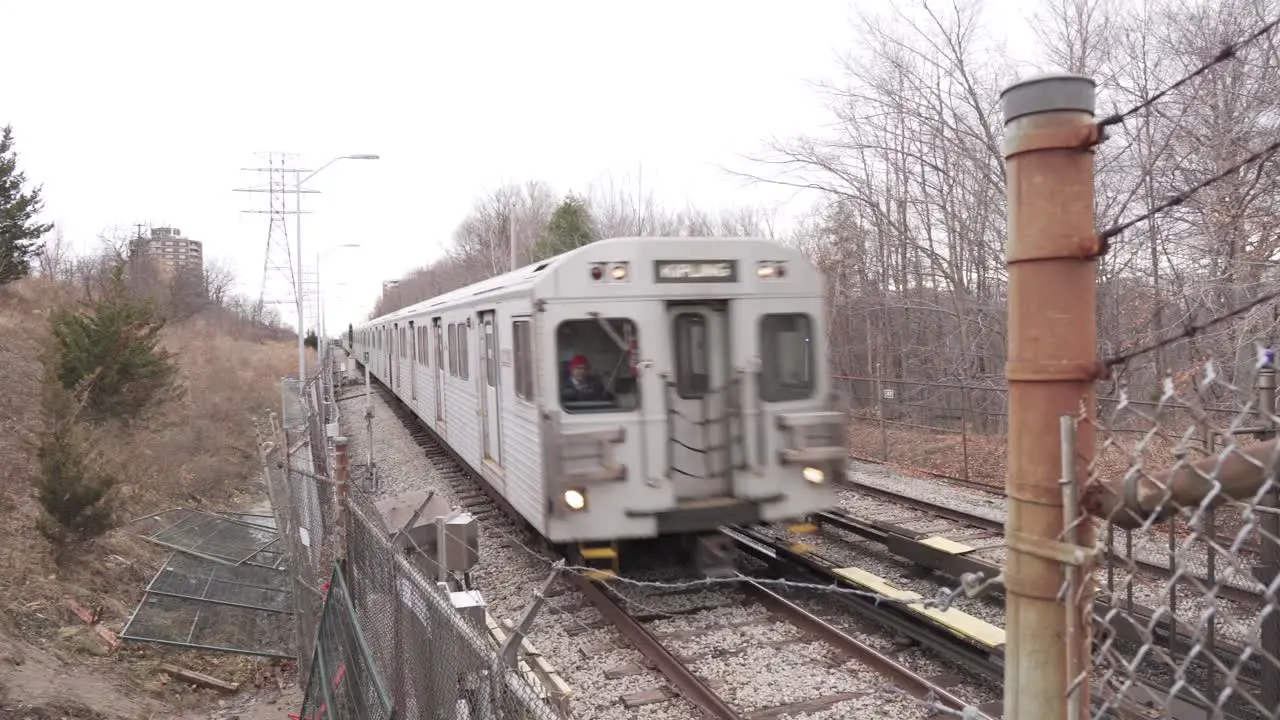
<point x="1051" y="255"/>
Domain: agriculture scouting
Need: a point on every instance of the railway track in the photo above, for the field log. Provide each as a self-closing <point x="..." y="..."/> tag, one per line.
<point x="992" y="531"/>
<point x="722" y="650"/>
<point x="679" y="667"/>
<point x="938" y="550"/>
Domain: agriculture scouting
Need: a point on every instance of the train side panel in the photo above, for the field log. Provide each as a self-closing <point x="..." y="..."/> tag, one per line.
<point x="461" y="414"/>
<point x="521" y="442"/>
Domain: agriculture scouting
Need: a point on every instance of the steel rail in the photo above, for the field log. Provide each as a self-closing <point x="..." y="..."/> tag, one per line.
<point x="1144" y="567"/>
<point x="906" y="680"/>
<point x="689" y="685"/>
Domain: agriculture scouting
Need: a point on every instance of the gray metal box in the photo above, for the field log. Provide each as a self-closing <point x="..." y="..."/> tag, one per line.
<point x="471" y="606"/>
<point x="461" y="543"/>
<point x="397" y="511"/>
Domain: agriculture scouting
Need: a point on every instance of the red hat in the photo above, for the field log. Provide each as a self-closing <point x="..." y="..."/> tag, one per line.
<point x="578" y="361"/>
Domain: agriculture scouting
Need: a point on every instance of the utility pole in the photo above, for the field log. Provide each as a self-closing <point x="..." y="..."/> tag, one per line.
<point x="511" y="237"/>
<point x="278" y="255"/>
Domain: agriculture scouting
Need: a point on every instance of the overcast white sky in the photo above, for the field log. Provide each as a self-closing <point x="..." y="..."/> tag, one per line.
<point x="134" y="111"/>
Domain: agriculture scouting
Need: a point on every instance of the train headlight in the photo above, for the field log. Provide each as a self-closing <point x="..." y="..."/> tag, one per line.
<point x="814" y="475"/>
<point x="770" y="270"/>
<point x="618" y="272"/>
<point x="575" y="499"/>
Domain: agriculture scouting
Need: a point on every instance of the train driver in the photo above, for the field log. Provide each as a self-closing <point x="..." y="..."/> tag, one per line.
<point x="582" y="385"/>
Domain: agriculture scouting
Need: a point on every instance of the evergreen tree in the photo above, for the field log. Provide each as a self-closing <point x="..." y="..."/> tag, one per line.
<point x="19" y="232"/>
<point x="108" y="353"/>
<point x="571" y="226"/>
<point x="311" y="340"/>
<point x="76" y="493"/>
<point x="351" y="335"/>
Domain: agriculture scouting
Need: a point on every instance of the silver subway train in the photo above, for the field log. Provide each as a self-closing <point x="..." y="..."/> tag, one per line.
<point x="631" y="389"/>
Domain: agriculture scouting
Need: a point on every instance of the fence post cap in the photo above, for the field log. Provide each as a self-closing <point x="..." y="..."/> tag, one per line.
<point x="1049" y="92"/>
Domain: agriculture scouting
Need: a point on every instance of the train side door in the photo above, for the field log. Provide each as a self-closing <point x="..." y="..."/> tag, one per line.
<point x="490" y="405"/>
<point x="698" y="398"/>
<point x="413" y="362"/>
<point x="438" y="331"/>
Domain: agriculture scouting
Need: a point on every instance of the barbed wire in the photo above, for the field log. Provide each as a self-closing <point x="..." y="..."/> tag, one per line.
<point x="1190" y="331"/>
<point x="1260" y="156"/>
<point x="1228" y="52"/>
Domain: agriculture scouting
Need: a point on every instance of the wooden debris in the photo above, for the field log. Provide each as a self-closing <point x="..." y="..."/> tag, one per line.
<point x="94" y="618"/>
<point x="199" y="679"/>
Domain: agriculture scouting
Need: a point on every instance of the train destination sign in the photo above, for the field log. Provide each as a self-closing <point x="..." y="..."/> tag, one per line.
<point x="677" y="271"/>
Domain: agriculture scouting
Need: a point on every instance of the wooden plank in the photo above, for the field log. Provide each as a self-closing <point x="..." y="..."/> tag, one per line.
<point x="200" y="679"/>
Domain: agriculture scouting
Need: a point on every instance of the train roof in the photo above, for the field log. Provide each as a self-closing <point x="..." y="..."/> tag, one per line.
<point x="532" y="273"/>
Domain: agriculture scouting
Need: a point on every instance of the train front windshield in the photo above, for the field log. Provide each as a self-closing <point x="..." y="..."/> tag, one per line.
<point x="595" y="365"/>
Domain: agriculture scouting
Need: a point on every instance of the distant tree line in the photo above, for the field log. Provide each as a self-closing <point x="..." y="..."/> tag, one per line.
<point x="542" y="224"/>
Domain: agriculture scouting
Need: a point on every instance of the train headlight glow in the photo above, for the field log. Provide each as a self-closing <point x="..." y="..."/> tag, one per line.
<point x="766" y="271"/>
<point x="618" y="272"/>
<point x="575" y="499"/>
<point x="814" y="475"/>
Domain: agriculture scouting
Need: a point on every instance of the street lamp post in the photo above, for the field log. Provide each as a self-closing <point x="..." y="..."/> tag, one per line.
<point x="297" y="281"/>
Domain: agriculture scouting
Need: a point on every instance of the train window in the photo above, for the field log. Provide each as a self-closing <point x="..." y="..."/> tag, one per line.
<point x="692" y="378"/>
<point x="786" y="352"/>
<point x="490" y="354"/>
<point x="602" y="349"/>
<point x="453" y="349"/>
<point x="521" y="337"/>
<point x="439" y="345"/>
<point x="464" y="366"/>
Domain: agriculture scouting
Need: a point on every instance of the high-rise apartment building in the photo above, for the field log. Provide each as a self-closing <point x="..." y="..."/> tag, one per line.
<point x="172" y="251"/>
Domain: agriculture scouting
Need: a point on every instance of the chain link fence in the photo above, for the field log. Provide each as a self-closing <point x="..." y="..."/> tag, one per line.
<point x="376" y="636"/>
<point x="1185" y="572"/>
<point x="438" y="656"/>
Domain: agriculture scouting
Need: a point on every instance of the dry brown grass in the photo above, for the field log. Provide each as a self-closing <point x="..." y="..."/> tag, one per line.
<point x="198" y="451"/>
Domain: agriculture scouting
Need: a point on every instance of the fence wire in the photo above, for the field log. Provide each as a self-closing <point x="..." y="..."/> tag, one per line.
<point x="344" y="683"/>
<point x="1183" y="598"/>
<point x="438" y="657"/>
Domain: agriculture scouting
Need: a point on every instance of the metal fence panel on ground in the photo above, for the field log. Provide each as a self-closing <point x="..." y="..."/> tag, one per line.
<point x="204" y="604"/>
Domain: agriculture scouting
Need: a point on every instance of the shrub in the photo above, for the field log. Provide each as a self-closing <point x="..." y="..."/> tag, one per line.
<point x="72" y="487"/>
<point x="108" y="352"/>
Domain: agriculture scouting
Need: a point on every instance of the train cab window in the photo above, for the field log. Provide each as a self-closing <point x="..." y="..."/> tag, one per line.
<point x="786" y="354"/>
<point x="692" y="377"/>
<point x="594" y="367"/>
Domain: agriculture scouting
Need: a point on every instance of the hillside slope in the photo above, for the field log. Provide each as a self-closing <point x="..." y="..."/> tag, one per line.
<point x="199" y="452"/>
